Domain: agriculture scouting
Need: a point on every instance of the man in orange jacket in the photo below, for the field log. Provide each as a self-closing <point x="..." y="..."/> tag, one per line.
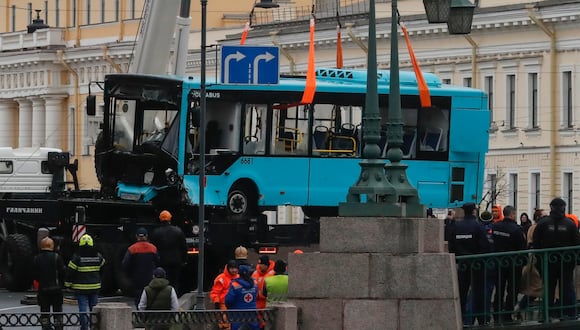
<point x="264" y="268"/>
<point x="221" y="284"/>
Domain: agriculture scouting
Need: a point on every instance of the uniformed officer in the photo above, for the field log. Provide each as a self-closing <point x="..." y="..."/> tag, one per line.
<point x="507" y="236"/>
<point x="467" y="237"/>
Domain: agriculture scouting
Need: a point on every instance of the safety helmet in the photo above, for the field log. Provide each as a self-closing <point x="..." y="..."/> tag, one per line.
<point x="165" y="216"/>
<point x="86" y="239"/>
<point x="241" y="252"/>
<point x="298" y="251"/>
<point x="47" y="244"/>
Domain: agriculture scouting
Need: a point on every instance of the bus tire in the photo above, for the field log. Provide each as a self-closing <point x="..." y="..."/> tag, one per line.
<point x="241" y="203"/>
<point x="15" y="262"/>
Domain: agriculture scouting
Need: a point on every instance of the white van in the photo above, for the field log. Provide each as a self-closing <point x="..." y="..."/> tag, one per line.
<point x="26" y="170"/>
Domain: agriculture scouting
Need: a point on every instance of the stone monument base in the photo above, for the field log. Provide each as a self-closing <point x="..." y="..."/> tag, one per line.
<point x="376" y="273"/>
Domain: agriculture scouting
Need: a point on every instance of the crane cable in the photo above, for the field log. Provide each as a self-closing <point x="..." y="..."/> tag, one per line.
<point x="339" y="61"/>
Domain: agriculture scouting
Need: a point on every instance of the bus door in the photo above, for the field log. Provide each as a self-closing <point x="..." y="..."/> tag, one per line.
<point x="278" y="141"/>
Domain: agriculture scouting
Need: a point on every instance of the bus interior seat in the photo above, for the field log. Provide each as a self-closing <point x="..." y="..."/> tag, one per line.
<point x="320" y="137"/>
<point x="289" y="141"/>
<point x="348" y="129"/>
<point x="431" y="139"/>
<point x="409" y="141"/>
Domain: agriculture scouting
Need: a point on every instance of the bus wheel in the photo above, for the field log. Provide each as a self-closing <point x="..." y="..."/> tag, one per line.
<point x="15" y="262"/>
<point x="241" y="203"/>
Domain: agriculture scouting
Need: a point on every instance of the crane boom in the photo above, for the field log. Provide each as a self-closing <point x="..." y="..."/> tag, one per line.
<point x="155" y="37"/>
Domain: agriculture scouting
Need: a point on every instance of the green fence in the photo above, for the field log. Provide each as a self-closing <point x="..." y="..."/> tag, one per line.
<point x="523" y="288"/>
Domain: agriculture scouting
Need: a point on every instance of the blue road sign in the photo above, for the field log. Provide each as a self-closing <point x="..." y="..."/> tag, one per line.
<point x="251" y="65"/>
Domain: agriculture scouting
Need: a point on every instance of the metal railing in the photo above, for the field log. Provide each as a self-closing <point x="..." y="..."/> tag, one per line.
<point x="520" y="288"/>
<point x="287" y="14"/>
<point x="55" y="320"/>
<point x="266" y="317"/>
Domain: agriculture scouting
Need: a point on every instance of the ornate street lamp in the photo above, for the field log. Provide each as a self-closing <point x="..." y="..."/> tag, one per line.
<point x="437" y="10"/>
<point x="266" y="4"/>
<point x="383" y="190"/>
<point x="460" y="16"/>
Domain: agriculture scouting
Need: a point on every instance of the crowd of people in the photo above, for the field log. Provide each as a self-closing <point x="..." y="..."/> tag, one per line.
<point x="499" y="287"/>
<point x="153" y="266"/>
<point x="244" y="287"/>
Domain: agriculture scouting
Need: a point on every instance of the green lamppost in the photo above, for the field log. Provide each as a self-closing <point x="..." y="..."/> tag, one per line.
<point x="384" y="190"/>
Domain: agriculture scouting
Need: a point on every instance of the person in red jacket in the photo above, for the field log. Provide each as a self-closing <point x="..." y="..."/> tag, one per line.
<point x="264" y="268"/>
<point x="221" y="284"/>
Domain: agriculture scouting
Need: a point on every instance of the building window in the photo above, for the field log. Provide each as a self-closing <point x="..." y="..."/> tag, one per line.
<point x="467" y="82"/>
<point x="29" y="9"/>
<point x="102" y="11"/>
<point x="117" y="10"/>
<point x="535" y="186"/>
<point x="446" y="81"/>
<point x="488" y="85"/>
<point x="13" y="18"/>
<point x="511" y="101"/>
<point x="568" y="191"/>
<point x="74" y="13"/>
<point x="57" y="13"/>
<point x="88" y="13"/>
<point x="567" y="111"/>
<point x="533" y="99"/>
<point x="513" y="190"/>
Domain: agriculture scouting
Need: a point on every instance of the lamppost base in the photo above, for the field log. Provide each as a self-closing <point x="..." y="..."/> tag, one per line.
<point x="407" y="194"/>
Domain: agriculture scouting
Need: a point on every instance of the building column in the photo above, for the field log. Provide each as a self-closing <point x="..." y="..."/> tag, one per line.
<point x="7" y="121"/>
<point x="38" y="119"/>
<point x="24" y="122"/>
<point x="55" y="129"/>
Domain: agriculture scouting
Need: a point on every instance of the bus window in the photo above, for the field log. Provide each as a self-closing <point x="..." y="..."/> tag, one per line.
<point x="254" y="133"/>
<point x="336" y="130"/>
<point x="289" y="130"/>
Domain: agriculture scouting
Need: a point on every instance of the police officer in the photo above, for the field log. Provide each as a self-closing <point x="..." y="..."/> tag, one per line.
<point x="507" y="236"/>
<point x="468" y="237"/>
<point x="172" y="249"/>
<point x="555" y="231"/>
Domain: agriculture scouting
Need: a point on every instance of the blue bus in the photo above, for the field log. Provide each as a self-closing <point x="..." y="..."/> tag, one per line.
<point x="265" y="149"/>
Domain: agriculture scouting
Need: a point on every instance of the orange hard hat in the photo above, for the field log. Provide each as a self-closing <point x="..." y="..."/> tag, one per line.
<point x="298" y="251"/>
<point x="165" y="216"/>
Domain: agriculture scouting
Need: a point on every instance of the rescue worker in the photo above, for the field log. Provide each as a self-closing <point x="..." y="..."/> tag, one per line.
<point x="158" y="294"/>
<point x="507" y="236"/>
<point x="140" y="261"/>
<point x="553" y="231"/>
<point x="497" y="213"/>
<point x="172" y="249"/>
<point x="242" y="294"/>
<point x="467" y="237"/>
<point x="241" y="255"/>
<point x="264" y="268"/>
<point x="276" y="287"/>
<point x="48" y="270"/>
<point x="84" y="277"/>
<point x="220" y="288"/>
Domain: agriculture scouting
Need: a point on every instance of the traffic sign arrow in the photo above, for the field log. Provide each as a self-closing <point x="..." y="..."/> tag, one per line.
<point x="236" y="56"/>
<point x="267" y="57"/>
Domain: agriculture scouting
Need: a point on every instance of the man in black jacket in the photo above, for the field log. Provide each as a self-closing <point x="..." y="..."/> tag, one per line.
<point x="507" y="236"/>
<point x="171" y="246"/>
<point x="467" y="237"/>
<point x="48" y="270"/>
<point x="555" y="231"/>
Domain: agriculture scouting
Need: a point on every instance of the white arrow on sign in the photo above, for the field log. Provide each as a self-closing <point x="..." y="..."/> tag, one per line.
<point x="238" y="57"/>
<point x="267" y="57"/>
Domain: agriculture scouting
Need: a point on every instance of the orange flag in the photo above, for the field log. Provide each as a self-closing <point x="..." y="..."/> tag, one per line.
<point x="310" y="87"/>
<point x="338" y="48"/>
<point x="424" y="96"/>
<point x="245" y="33"/>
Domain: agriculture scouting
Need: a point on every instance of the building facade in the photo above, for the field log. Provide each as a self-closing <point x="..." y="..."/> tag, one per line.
<point x="524" y="54"/>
